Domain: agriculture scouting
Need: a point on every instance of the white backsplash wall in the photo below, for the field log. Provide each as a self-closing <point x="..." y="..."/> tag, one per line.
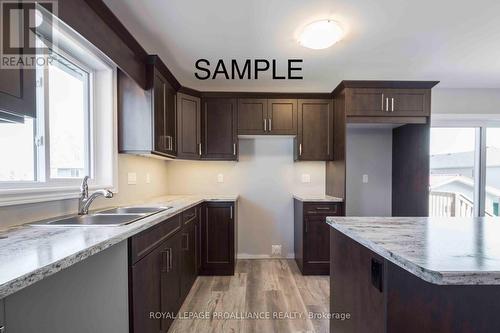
<point x="127" y="194"/>
<point x="265" y="178"/>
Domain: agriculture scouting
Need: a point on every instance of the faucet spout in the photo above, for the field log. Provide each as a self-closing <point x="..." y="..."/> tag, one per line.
<point x="85" y="200"/>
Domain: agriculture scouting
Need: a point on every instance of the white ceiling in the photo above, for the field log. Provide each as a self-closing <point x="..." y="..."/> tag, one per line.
<point x="454" y="41"/>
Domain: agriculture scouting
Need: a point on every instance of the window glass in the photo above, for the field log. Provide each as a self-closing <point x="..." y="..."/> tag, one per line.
<point x="492" y="195"/>
<point x="452" y="172"/>
<point x="17" y="150"/>
<point x="68" y="118"/>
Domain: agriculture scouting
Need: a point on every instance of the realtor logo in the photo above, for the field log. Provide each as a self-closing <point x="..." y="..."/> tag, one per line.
<point x="21" y="22"/>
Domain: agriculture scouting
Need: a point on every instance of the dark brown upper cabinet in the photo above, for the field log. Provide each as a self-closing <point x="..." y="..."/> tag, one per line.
<point x="282" y="116"/>
<point x="267" y="116"/>
<point x="367" y="101"/>
<point x="147" y="118"/>
<point x="314" y="140"/>
<point x="17" y="94"/>
<point x="252" y="116"/>
<point x="219" y="129"/>
<point x="188" y="127"/>
<point x="164" y="115"/>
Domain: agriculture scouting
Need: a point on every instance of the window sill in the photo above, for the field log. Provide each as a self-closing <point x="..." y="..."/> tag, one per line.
<point x="11" y="197"/>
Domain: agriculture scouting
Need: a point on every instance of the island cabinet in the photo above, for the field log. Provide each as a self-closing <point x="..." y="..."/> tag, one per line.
<point x="267" y="116"/>
<point x="314" y="141"/>
<point x="218" y="238"/>
<point x="381" y="297"/>
<point x="219" y="129"/>
<point x="312" y="235"/>
<point x="188" y="127"/>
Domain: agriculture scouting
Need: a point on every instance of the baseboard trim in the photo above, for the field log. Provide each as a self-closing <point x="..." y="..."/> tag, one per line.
<point x="263" y="256"/>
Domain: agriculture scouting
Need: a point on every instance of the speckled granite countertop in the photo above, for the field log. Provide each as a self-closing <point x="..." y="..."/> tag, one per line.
<point x="31" y="253"/>
<point x="444" y="251"/>
<point x="316" y="198"/>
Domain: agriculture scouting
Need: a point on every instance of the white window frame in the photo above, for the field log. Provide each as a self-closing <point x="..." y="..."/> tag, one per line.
<point x="103" y="143"/>
<point x="481" y="122"/>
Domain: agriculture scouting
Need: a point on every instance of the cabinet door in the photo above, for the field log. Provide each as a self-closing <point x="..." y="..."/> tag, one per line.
<point x="170" y="280"/>
<point x="315" y="132"/>
<point x="146" y="292"/>
<point x="219" y="119"/>
<point x="218" y="239"/>
<point x="189" y="269"/>
<point x="188" y="127"/>
<point x="408" y="102"/>
<point x="282" y="116"/>
<point x="252" y="116"/>
<point x="170" y="120"/>
<point x="316" y="240"/>
<point x="366" y="102"/>
<point x="159" y="102"/>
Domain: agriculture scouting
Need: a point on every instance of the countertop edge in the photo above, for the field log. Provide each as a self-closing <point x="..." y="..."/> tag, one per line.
<point x="430" y="276"/>
<point x="25" y="280"/>
<point x="316" y="198"/>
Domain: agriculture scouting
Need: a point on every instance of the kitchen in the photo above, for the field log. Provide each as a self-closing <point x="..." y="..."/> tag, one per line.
<point x="220" y="203"/>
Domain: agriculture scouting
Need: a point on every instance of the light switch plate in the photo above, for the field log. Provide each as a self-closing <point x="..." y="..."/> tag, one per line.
<point x="306" y="178"/>
<point x="365" y="179"/>
<point x="148" y="178"/>
<point x="220" y="178"/>
<point x="132" y="178"/>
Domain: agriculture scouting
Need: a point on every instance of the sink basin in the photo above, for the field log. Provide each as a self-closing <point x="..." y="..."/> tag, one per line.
<point x="92" y="220"/>
<point x="133" y="210"/>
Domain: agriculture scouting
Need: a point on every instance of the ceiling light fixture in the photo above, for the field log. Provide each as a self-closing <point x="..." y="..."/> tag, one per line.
<point x="321" y="34"/>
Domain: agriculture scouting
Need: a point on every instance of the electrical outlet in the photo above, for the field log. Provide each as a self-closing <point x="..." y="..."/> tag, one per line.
<point x="220" y="178"/>
<point x="132" y="178"/>
<point x="306" y="178"/>
<point x="276" y="250"/>
<point x="365" y="179"/>
<point x="148" y="178"/>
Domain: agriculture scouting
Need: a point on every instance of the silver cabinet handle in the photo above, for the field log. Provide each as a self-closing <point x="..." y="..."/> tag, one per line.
<point x="270" y="124"/>
<point x="392" y="104"/>
<point x="300" y="149"/>
<point x="234" y="149"/>
<point x="170" y="258"/>
<point x="386" y="104"/>
<point x="265" y="125"/>
<point x="231" y="213"/>
<point x="382" y="105"/>
<point x="199" y="149"/>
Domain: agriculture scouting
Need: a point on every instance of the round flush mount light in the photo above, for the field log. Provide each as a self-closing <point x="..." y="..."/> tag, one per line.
<point x="321" y="34"/>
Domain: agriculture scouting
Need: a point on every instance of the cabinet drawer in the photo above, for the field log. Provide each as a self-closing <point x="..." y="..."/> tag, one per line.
<point x="189" y="215"/>
<point x="146" y="241"/>
<point x="322" y="208"/>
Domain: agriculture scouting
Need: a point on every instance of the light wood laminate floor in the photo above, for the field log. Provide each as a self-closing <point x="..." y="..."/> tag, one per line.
<point x="260" y="289"/>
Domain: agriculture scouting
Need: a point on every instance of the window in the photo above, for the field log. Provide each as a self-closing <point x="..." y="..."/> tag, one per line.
<point x="452" y="165"/>
<point x="45" y="158"/>
<point x="465" y="168"/>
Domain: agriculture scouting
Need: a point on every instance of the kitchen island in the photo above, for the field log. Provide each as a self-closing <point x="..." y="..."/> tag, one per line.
<point x="406" y="274"/>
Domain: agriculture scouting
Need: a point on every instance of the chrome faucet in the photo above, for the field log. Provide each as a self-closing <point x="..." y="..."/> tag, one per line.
<point x="85" y="200"/>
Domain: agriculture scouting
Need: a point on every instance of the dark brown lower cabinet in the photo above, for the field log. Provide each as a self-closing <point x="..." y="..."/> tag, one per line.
<point x="312" y="235"/>
<point x="166" y="259"/>
<point x="189" y="269"/>
<point x="218" y="238"/>
<point x="380" y="296"/>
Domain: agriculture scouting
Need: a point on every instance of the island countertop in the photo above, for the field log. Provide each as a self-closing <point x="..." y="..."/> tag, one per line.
<point x="30" y="253"/>
<point x="439" y="250"/>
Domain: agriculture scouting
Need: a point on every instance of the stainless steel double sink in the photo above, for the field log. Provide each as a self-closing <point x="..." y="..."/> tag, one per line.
<point x="109" y="217"/>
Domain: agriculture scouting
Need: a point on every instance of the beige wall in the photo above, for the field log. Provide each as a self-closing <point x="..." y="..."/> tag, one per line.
<point x="19" y="214"/>
<point x="265" y="178"/>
